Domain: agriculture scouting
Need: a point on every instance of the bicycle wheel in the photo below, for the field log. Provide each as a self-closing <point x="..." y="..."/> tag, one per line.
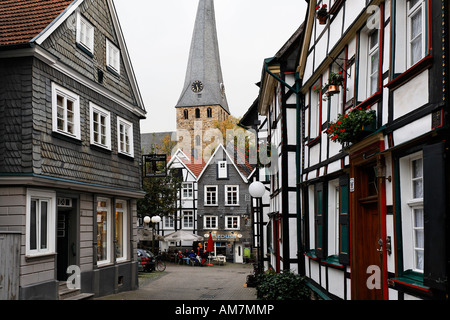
<point x="161" y="266"/>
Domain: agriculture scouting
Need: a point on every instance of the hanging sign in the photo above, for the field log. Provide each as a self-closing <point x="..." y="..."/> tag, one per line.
<point x="155" y="165"/>
<point x="352" y="184"/>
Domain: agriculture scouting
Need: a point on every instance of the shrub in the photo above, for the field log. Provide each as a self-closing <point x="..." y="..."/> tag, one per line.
<point x="281" y="286"/>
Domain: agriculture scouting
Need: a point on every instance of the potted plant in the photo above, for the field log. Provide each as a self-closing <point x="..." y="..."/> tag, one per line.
<point x="350" y="128"/>
<point x="322" y="13"/>
<point x="335" y="81"/>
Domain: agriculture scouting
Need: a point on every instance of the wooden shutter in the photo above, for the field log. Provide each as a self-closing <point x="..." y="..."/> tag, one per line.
<point x="320" y="220"/>
<point x="435" y="255"/>
<point x="344" y="218"/>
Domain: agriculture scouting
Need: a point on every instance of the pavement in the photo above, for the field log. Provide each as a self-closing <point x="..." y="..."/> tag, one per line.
<point x="181" y="282"/>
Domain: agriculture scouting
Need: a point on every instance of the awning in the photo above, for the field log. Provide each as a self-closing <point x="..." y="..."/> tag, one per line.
<point x="145" y="234"/>
<point x="183" y="236"/>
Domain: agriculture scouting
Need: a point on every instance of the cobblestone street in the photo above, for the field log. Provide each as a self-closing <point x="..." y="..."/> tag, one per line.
<point x="192" y="283"/>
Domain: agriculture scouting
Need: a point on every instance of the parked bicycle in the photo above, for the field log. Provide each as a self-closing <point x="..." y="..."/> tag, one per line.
<point x="160" y="265"/>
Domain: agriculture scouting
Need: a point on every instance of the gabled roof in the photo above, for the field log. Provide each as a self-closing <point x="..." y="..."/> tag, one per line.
<point x="239" y="162"/>
<point x="22" y="21"/>
<point x="195" y="167"/>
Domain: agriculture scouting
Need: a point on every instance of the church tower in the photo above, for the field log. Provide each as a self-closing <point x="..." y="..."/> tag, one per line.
<point x="203" y="98"/>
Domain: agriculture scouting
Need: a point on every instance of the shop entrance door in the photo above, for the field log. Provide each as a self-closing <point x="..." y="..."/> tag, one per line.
<point x="66" y="236"/>
<point x="238" y="254"/>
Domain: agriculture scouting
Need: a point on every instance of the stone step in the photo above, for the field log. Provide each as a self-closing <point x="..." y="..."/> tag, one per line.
<point x="72" y="294"/>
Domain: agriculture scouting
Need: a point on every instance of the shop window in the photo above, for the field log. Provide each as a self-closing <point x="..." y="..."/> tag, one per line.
<point x="121" y="230"/>
<point x="103" y="231"/>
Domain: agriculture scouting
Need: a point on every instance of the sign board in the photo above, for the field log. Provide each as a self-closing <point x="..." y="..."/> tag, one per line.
<point x="155" y="165"/>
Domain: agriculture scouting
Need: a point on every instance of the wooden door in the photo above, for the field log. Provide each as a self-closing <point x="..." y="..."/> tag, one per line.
<point x="9" y="265"/>
<point x="366" y="233"/>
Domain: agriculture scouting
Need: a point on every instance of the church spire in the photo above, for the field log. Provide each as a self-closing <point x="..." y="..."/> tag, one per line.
<point x="204" y="82"/>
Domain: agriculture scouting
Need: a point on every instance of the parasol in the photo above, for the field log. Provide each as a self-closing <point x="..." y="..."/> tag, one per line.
<point x="183" y="236"/>
<point x="210" y="248"/>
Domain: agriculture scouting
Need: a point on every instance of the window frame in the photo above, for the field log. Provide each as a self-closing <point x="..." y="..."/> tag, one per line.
<point x="124" y="211"/>
<point x="373" y="52"/>
<point x="410" y="12"/>
<point x="91" y="34"/>
<point x="222" y="169"/>
<point x="66" y="95"/>
<point x="188" y="219"/>
<point x="232" y="218"/>
<point x="93" y="108"/>
<point x="129" y="126"/>
<point x="213" y="222"/>
<point x="315" y="112"/>
<point x="108" y="211"/>
<point x="169" y="222"/>
<point x="113" y="53"/>
<point x="408" y="206"/>
<point x="228" y="191"/>
<point x="189" y="188"/>
<point x="50" y="198"/>
<point x="216" y="194"/>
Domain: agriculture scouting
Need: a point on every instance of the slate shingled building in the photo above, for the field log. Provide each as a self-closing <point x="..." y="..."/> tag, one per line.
<point x="70" y="147"/>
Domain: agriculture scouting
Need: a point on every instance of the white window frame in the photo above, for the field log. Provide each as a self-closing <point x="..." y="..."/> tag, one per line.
<point x="108" y="229"/>
<point x="232" y="219"/>
<point x="124" y="212"/>
<point x="188" y="219"/>
<point x="408" y="206"/>
<point x="231" y="189"/>
<point x="314" y="114"/>
<point x="410" y="13"/>
<point x="169" y="222"/>
<point x="333" y="217"/>
<point x="50" y="198"/>
<point x="85" y="33"/>
<point x="222" y="170"/>
<point x="210" y="222"/>
<point x="128" y="126"/>
<point x="373" y="53"/>
<point x="112" y="56"/>
<point x="66" y="95"/>
<point x="187" y="191"/>
<point x="207" y="193"/>
<point x="107" y="126"/>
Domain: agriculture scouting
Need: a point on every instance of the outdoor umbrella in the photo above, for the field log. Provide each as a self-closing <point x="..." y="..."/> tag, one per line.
<point x="183" y="236"/>
<point x="210" y="248"/>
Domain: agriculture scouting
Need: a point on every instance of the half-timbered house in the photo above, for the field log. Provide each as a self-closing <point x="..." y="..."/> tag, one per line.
<point x="375" y="204"/>
<point x="70" y="170"/>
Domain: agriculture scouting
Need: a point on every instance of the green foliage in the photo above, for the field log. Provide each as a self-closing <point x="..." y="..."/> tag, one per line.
<point x="281" y="286"/>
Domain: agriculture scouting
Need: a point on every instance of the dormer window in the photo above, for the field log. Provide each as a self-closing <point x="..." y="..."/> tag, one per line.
<point x="222" y="170"/>
<point x="85" y="34"/>
<point x="112" y="57"/>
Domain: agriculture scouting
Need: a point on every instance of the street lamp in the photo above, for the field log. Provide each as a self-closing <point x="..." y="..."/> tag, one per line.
<point x="257" y="190"/>
<point x="154" y="220"/>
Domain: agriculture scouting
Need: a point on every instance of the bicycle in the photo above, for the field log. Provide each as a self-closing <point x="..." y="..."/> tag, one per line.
<point x="160" y="265"/>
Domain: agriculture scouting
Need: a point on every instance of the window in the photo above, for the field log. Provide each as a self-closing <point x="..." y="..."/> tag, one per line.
<point x="85" y="34"/>
<point x="197" y="113"/>
<point x="198" y="140"/>
<point x="103" y="230"/>
<point x="121" y="229"/>
<point x="209" y="113"/>
<point x="125" y="137"/>
<point x="210" y="222"/>
<point x="65" y="112"/>
<point x="314" y="112"/>
<point x="373" y="62"/>
<point x="222" y="170"/>
<point x="186" y="114"/>
<point x="232" y="195"/>
<point x="168" y="222"/>
<point x="188" y="219"/>
<point x="40" y="222"/>
<point x="416" y="31"/>
<point x="412" y="207"/>
<point x="188" y="190"/>
<point x="211" y="196"/>
<point x="100" y="127"/>
<point x="112" y="57"/>
<point x="232" y="222"/>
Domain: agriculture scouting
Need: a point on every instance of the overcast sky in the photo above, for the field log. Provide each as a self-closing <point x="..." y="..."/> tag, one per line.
<point x="158" y="34"/>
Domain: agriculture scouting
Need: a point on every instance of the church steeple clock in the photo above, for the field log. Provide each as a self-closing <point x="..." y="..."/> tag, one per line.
<point x="203" y="98"/>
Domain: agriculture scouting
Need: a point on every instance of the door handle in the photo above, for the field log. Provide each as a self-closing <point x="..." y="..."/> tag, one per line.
<point x="380" y="243"/>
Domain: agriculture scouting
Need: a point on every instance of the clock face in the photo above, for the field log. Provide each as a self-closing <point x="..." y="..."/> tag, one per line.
<point x="197" y="86"/>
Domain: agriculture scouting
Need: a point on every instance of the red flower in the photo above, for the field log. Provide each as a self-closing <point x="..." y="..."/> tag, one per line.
<point x="343" y="130"/>
<point x="339" y="122"/>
